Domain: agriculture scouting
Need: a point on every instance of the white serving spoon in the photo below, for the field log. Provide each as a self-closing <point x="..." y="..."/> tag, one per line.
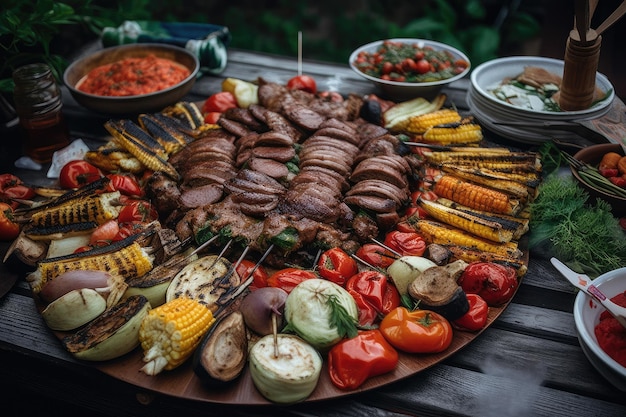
<point x="584" y="283"/>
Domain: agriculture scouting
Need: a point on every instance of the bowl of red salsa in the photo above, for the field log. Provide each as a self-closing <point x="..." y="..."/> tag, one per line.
<point x="406" y="68"/>
<point x="132" y="78"/>
<point x="602" y="338"/>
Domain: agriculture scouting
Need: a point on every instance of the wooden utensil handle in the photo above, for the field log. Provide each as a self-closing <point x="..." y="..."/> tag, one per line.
<point x="579" y="73"/>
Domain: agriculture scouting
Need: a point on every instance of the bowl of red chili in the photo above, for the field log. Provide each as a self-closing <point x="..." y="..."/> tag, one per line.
<point x="134" y="78"/>
<point x="601" y="337"/>
<point x="405" y="68"/>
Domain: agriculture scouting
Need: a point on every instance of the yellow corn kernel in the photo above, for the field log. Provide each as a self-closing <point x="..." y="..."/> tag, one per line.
<point x="171" y="332"/>
<point x="454" y="133"/>
<point x="488" y="229"/>
<point x="475" y="196"/>
<point x="518" y="162"/>
<point x="492" y="180"/>
<point x="442" y="234"/>
<point x="97" y="209"/>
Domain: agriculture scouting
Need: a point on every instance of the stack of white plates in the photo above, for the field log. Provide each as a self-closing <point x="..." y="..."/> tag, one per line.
<point x="489" y="110"/>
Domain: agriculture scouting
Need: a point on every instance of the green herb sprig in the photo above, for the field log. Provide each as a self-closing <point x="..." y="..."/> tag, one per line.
<point x="341" y="319"/>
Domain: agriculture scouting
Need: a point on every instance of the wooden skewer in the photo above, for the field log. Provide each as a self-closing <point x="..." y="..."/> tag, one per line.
<point x="299" y="52"/>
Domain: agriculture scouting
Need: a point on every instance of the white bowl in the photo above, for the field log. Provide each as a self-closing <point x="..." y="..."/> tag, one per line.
<point x="399" y="91"/>
<point x="490" y="74"/>
<point x="587" y="315"/>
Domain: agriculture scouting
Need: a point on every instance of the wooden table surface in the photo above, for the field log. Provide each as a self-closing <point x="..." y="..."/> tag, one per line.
<point x="528" y="363"/>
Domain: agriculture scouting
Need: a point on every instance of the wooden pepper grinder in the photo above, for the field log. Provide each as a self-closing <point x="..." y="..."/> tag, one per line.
<point x="582" y="54"/>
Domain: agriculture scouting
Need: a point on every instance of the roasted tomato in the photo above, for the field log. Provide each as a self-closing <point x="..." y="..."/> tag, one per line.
<point x="219" y="102"/>
<point x="337" y="266"/>
<point x="77" y="173"/>
<point x="375" y="255"/>
<point x="137" y="211"/>
<point x="288" y="278"/>
<point x="259" y="276"/>
<point x="417" y="331"/>
<point x="495" y="283"/>
<point x="405" y="243"/>
<point x="476" y="317"/>
<point x="374" y="294"/>
<point x="12" y="187"/>
<point x="8" y="228"/>
<point x="303" y="82"/>
<point x="126" y="184"/>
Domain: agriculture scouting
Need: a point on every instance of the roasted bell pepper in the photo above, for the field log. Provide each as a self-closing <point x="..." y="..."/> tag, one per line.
<point x="406" y="243"/>
<point x="417" y="331"/>
<point x="476" y="317"/>
<point x="219" y="102"/>
<point x="337" y="266"/>
<point x="374" y="294"/>
<point x="288" y="278"/>
<point x="352" y="361"/>
<point x="495" y="283"/>
<point x="259" y="274"/>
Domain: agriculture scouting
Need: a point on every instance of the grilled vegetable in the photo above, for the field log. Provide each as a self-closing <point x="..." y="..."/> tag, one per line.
<point x="152" y="158"/>
<point x="479" y="226"/>
<point x="475" y="196"/>
<point x="423" y="122"/>
<point x="289" y="376"/>
<point x="473" y="255"/>
<point x="403" y="271"/>
<point x="223" y="353"/>
<point x="436" y="232"/>
<point x="60" y="231"/>
<point x="171" y="332"/>
<point x="112" y="157"/>
<point x="96" y="208"/>
<point x="74" y="309"/>
<point x="494" y="180"/>
<point x="165" y="131"/>
<point x="113" y="334"/>
<point x="518" y="162"/>
<point x="109" y="286"/>
<point x="262" y="309"/>
<point x="245" y="92"/>
<point x="458" y="132"/>
<point x="129" y="261"/>
<point x="397" y="117"/>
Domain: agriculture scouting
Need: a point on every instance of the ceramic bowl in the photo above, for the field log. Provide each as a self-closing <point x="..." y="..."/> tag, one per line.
<point x="131" y="104"/>
<point x="401" y="91"/>
<point x="592" y="155"/>
<point x="587" y="315"/>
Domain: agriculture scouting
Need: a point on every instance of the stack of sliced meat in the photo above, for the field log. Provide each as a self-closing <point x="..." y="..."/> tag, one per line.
<point x="255" y="192"/>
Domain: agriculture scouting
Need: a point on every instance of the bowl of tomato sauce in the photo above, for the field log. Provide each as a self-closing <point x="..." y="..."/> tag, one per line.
<point x="407" y="68"/>
<point x="133" y="78"/>
<point x="601" y="337"/>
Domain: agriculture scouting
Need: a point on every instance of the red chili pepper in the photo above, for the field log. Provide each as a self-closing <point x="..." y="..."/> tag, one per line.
<point x="406" y="243"/>
<point x="417" y="331"/>
<point x="337" y="266"/>
<point x="376" y="294"/>
<point x="495" y="283"/>
<point x="352" y="361"/>
<point x="476" y="317"/>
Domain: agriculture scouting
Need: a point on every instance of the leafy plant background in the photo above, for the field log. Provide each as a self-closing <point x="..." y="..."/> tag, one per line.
<point x="51" y="30"/>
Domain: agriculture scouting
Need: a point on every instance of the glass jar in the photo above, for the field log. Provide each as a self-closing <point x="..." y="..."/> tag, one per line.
<point x="37" y="100"/>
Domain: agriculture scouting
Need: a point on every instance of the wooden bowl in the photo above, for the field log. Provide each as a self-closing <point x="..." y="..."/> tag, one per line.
<point x="593" y="155"/>
<point x="138" y="103"/>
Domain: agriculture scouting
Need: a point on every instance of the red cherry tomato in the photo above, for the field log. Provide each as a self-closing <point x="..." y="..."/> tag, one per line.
<point x="126" y="184"/>
<point x="219" y="102"/>
<point x="8" y="228"/>
<point x="77" y="173"/>
<point x="137" y="211"/>
<point x="303" y="82"/>
<point x="422" y="66"/>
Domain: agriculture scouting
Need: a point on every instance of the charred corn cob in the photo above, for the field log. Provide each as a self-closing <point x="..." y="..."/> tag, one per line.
<point x="96" y="208"/>
<point x="420" y="123"/>
<point x="530" y="180"/>
<point x="129" y="261"/>
<point x="147" y="156"/>
<point x="187" y="113"/>
<point x="396" y="118"/>
<point x="488" y="229"/>
<point x="491" y="180"/>
<point x="463" y="132"/>
<point x="164" y="131"/>
<point x="470" y="255"/>
<point x="519" y="225"/>
<point x="436" y="232"/>
<point x="475" y="196"/>
<point x="171" y="332"/>
<point x="506" y="162"/>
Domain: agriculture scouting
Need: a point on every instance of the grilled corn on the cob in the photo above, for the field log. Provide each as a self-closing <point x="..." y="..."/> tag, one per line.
<point x="475" y="196"/>
<point x="436" y="232"/>
<point x="129" y="261"/>
<point x="421" y="123"/>
<point x="171" y="332"/>
<point x="396" y="118"/>
<point x="491" y="180"/>
<point x="471" y="255"/>
<point x="505" y="161"/>
<point x="488" y="229"/>
<point x="463" y="132"/>
<point x="95" y="208"/>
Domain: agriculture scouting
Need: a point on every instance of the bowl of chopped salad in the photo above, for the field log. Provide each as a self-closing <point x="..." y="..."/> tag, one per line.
<point x="405" y="68"/>
<point x="133" y="78"/>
